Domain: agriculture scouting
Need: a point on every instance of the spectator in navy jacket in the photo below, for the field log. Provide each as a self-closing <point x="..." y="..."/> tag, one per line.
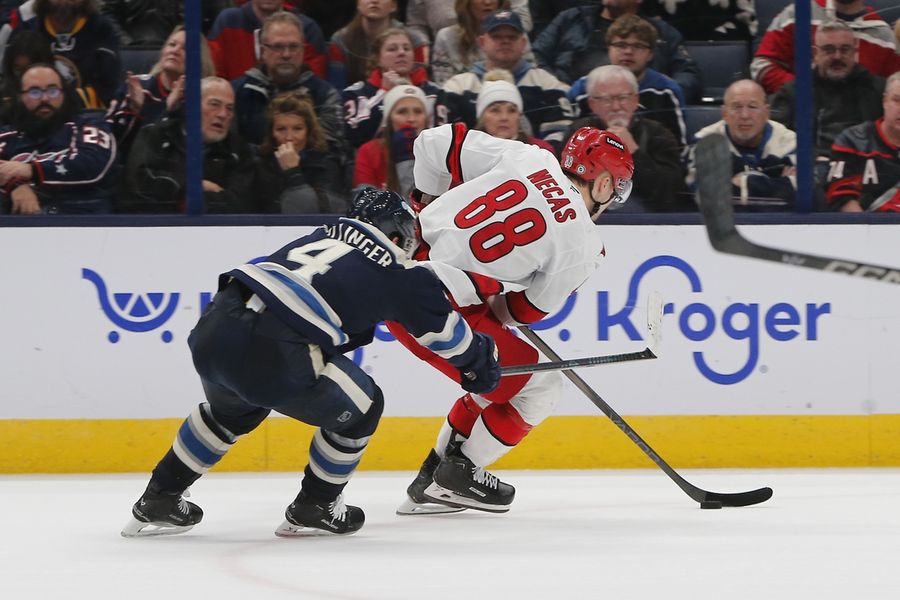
<point x="631" y="41"/>
<point x="391" y="61"/>
<point x="53" y="160"/>
<point x="575" y="42"/>
<point x="282" y="70"/>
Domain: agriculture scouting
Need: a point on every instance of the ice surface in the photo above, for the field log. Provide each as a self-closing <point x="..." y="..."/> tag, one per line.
<point x="570" y="534"/>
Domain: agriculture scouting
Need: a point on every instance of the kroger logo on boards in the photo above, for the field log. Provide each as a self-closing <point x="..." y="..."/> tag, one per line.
<point x="697" y="321"/>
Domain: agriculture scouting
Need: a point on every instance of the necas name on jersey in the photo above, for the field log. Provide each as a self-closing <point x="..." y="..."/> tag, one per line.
<point x="554" y="194"/>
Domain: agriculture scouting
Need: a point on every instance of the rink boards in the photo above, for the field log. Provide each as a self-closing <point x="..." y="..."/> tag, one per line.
<point x="761" y="364"/>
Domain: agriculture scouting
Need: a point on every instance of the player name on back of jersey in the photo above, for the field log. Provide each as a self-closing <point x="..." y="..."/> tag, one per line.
<point x="353" y="236"/>
<point x="554" y="194"/>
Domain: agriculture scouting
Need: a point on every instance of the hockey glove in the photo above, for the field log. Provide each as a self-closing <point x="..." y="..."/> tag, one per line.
<point x="482" y="374"/>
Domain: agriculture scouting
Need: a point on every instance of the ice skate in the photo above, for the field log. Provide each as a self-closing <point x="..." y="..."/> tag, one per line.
<point x="161" y="514"/>
<point x="305" y="517"/>
<point x="458" y="482"/>
<point x="417" y="503"/>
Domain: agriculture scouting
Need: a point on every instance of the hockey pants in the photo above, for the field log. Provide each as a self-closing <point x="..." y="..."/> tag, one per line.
<point x="250" y="364"/>
<point x="497" y="421"/>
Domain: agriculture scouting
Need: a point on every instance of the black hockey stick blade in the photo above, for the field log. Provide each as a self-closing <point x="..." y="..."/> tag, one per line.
<point x="591" y="361"/>
<point x="739" y="499"/>
<point x="695" y="493"/>
<point x="714" y="195"/>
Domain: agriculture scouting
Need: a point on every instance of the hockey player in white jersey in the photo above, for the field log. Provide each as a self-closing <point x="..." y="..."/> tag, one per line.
<point x="515" y="228"/>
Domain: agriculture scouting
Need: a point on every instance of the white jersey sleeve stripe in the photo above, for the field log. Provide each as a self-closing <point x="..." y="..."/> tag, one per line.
<point x="298" y="296"/>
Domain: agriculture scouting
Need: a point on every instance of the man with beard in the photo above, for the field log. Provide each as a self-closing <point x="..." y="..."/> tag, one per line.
<point x="53" y="160"/>
<point x="865" y="166"/>
<point x="575" y="42"/>
<point x="773" y="65"/>
<point x="763" y="152"/>
<point x="155" y="175"/>
<point x="658" y="174"/>
<point x="844" y="92"/>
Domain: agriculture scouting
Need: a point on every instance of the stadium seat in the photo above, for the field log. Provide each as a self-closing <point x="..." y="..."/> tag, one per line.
<point x="766" y="11"/>
<point x="721" y="64"/>
<point x="138" y="60"/>
<point x="698" y="116"/>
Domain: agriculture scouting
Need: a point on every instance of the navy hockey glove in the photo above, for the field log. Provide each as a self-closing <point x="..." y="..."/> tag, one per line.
<point x="402" y="144"/>
<point x="482" y="374"/>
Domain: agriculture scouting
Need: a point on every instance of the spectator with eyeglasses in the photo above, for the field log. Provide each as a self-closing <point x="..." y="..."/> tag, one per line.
<point x="658" y="173"/>
<point x="763" y="152"/>
<point x="235" y="44"/>
<point x="631" y="41"/>
<point x="281" y="69"/>
<point x="575" y="42"/>
<point x="773" y="64"/>
<point x="844" y="92"/>
<point x="54" y="160"/>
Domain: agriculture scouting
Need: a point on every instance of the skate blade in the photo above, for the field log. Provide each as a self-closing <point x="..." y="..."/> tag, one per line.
<point x="289" y="530"/>
<point x="136" y="529"/>
<point x="449" y="497"/>
<point x="411" y="507"/>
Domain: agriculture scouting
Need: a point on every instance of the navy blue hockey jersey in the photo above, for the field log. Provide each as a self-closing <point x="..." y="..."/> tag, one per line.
<point x="335" y="284"/>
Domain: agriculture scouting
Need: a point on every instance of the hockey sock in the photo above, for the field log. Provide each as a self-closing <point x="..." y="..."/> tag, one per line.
<point x="332" y="460"/>
<point x="498" y="430"/>
<point x="460" y="420"/>
<point x="200" y="443"/>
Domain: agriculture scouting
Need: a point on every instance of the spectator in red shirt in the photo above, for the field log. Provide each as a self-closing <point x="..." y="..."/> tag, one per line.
<point x="773" y="64"/>
<point x="234" y="38"/>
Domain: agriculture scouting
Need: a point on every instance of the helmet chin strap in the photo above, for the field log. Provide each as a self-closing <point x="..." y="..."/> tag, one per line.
<point x="597" y="205"/>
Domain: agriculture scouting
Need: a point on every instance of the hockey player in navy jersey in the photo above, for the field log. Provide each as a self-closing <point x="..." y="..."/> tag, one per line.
<point x="273" y="339"/>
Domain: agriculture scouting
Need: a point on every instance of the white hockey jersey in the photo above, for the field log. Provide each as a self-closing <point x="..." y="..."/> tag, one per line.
<point x="507" y="212"/>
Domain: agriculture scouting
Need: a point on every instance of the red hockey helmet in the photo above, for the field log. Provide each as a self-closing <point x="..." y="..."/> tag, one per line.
<point x="590" y="152"/>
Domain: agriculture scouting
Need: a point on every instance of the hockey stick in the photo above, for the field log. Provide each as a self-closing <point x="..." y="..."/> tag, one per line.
<point x="705" y="498"/>
<point x="714" y="194"/>
<point x="654" y="322"/>
<point x="591" y="361"/>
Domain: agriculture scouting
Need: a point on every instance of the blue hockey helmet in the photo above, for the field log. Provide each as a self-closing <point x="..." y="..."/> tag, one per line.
<point x="388" y="212"/>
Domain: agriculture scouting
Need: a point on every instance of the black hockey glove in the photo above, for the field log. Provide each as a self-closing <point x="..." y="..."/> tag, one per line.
<point x="482" y="374"/>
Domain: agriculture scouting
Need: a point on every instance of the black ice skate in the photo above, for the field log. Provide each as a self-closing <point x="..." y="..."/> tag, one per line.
<point x="161" y="514"/>
<point x="458" y="482"/>
<point x="417" y="503"/>
<point x="305" y="517"/>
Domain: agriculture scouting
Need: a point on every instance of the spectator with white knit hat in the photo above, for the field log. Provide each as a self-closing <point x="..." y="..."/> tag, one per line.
<point x="386" y="161"/>
<point x="499" y="109"/>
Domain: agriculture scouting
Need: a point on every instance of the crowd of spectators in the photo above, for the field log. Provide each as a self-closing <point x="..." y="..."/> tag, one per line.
<point x="304" y="101"/>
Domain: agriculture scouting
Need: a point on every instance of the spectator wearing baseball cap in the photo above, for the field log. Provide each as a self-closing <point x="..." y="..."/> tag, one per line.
<point x="386" y="162"/>
<point x="503" y="42"/>
<point x="499" y="109"/>
<point x="455" y="48"/>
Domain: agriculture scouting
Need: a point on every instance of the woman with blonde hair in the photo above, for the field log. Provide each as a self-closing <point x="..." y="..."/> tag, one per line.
<point x="153" y="94"/>
<point x="499" y="110"/>
<point x="147" y="98"/>
<point x="391" y="61"/>
<point x="386" y="162"/>
<point x="295" y="173"/>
